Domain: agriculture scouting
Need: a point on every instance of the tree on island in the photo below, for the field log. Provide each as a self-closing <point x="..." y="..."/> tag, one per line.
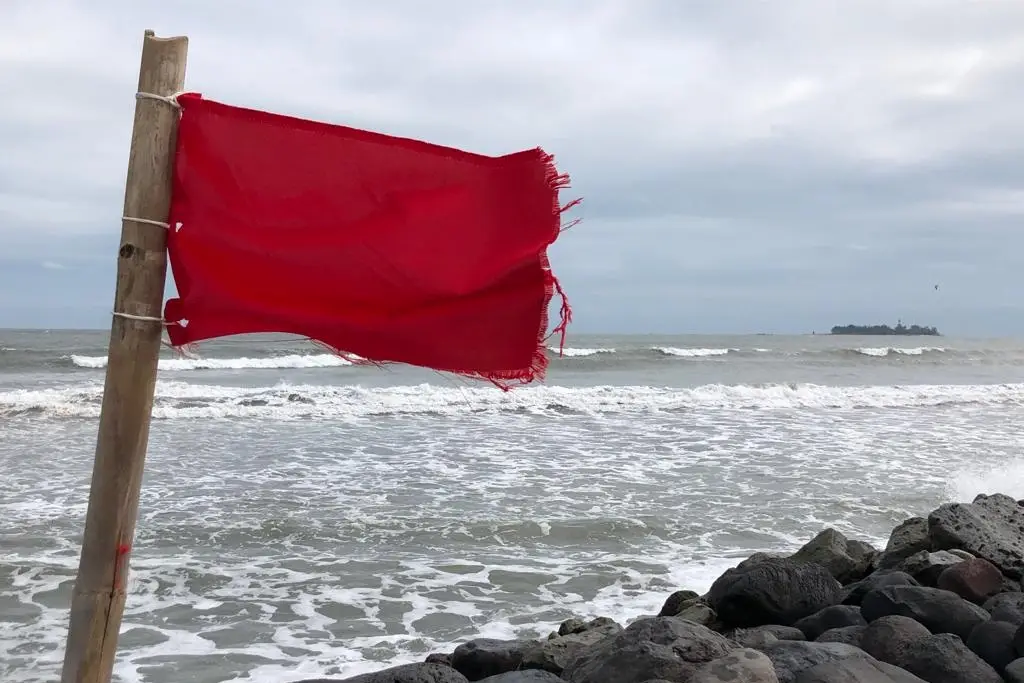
<point x="900" y="330"/>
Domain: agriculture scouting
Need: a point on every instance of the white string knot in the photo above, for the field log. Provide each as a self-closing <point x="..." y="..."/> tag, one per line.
<point x="140" y="318"/>
<point x="147" y="221"/>
<point x="169" y="99"/>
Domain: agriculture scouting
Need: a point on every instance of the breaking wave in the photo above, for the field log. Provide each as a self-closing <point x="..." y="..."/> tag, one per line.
<point x="882" y="351"/>
<point x="182" y="400"/>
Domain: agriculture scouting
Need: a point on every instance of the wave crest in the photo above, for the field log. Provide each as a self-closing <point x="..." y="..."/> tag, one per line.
<point x="181" y="400"/>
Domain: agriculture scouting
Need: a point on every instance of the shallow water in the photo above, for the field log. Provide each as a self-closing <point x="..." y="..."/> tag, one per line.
<point x="304" y="517"/>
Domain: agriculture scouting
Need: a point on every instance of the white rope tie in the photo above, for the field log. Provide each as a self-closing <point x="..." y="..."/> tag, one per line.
<point x="147" y="221"/>
<point x="169" y="99"/>
<point x="141" y="318"/>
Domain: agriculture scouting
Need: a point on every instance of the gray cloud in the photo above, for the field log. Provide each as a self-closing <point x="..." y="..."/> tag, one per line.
<point x="746" y="166"/>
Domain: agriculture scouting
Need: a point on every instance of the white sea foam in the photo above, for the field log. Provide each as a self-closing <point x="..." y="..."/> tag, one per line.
<point x="573" y="353"/>
<point x="181" y="400"/>
<point x="691" y="353"/>
<point x="292" y="361"/>
<point x="882" y="351"/>
<point x="273" y="551"/>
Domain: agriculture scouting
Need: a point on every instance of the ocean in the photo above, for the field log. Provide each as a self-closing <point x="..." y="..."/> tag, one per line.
<point x="301" y="516"/>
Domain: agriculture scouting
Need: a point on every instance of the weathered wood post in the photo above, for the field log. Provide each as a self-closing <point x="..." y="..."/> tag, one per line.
<point x="99" y="595"/>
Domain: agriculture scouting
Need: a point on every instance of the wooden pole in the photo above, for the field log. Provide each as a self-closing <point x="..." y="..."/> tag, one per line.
<point x="98" y="600"/>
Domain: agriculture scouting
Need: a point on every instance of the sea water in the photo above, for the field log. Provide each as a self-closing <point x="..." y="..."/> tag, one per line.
<point x="302" y="516"/>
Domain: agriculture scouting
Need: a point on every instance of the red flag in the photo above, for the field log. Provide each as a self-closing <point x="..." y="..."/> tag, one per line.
<point x="390" y="249"/>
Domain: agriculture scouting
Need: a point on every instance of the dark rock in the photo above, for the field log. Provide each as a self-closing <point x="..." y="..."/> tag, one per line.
<point x="758" y="558"/>
<point x="961" y="553"/>
<point x="1010" y="585"/>
<point x="938" y="610"/>
<point x="976" y="580"/>
<point x="1007" y="607"/>
<point x="570" y="626"/>
<point x="438" y="658"/>
<point x="781" y="632"/>
<point x="944" y="658"/>
<point x="699" y="613"/>
<point x="906" y="539"/>
<point x="1018" y="641"/>
<point x="855" y="592"/>
<point x="791" y="657"/>
<point x="844" y="560"/>
<point x="1015" y="671"/>
<point x="850" y="635"/>
<point x="527" y="676"/>
<point x="856" y="670"/>
<point x="888" y="638"/>
<point x="677" y="602"/>
<point x="834" y="616"/>
<point x="993" y="642"/>
<point x="555" y="654"/>
<point x="926" y="567"/>
<point x="753" y="639"/>
<point x="865" y="553"/>
<point x="409" y="673"/>
<point x="662" y="647"/>
<point x="485" y="657"/>
<point x="759" y="636"/>
<point x="739" y="666"/>
<point x="773" y="591"/>
<point x="990" y="528"/>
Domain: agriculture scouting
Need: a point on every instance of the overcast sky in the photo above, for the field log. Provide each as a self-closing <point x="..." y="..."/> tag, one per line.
<point x="746" y="166"/>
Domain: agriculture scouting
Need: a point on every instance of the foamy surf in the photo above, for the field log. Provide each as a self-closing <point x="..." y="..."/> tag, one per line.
<point x="882" y="351"/>
<point x="692" y="353"/>
<point x="181" y="400"/>
<point x="577" y="353"/>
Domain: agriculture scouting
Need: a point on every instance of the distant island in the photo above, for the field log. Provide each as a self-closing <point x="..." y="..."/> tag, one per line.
<point x="884" y="330"/>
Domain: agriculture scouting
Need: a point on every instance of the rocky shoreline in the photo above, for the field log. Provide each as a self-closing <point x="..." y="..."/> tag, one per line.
<point x="942" y="603"/>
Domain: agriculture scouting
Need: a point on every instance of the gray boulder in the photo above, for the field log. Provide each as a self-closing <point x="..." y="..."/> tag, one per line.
<point x="571" y="626"/>
<point x="926" y="567"/>
<point x="943" y="658"/>
<point x="993" y="642"/>
<point x="485" y="657"/>
<point x="976" y="580"/>
<point x="856" y="670"/>
<point x="677" y="602"/>
<point x="555" y="654"/>
<point x="409" y="673"/>
<point x="990" y="528"/>
<point x="834" y="616"/>
<point x="773" y="591"/>
<point x="699" y="613"/>
<point x="739" y="666"/>
<point x="938" y="610"/>
<point x="845" y="560"/>
<point x="855" y="592"/>
<point x="527" y="676"/>
<point x="850" y="635"/>
<point x="790" y="657"/>
<point x="758" y="558"/>
<point x="660" y="647"/>
<point x="1015" y="671"/>
<point x="760" y="636"/>
<point x="910" y="537"/>
<point x="887" y="639"/>
<point x="1006" y="607"/>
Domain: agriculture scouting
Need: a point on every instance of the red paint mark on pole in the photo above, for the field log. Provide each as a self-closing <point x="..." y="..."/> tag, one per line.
<point x="120" y="565"/>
